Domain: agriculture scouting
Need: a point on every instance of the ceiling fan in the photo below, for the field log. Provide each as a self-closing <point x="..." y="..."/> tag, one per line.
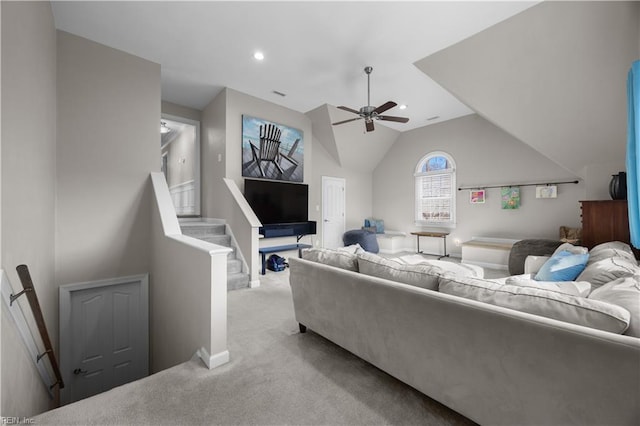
<point x="370" y="113"/>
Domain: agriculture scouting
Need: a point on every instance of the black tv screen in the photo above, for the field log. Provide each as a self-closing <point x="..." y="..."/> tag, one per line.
<point x="277" y="202"/>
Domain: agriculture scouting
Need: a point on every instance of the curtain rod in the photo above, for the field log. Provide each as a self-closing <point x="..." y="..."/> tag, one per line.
<point x="519" y="184"/>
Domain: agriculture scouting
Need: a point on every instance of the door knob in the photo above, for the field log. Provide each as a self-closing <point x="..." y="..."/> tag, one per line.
<point x="79" y="371"/>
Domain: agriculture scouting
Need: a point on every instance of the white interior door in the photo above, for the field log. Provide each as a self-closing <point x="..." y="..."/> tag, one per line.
<point x="104" y="335"/>
<point x="333" y="211"/>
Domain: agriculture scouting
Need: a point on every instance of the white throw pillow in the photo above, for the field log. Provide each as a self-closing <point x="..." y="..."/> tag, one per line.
<point x="353" y="249"/>
<point x="339" y="259"/>
<point x="419" y="275"/>
<point x="545" y="303"/>
<point x="571" y="249"/>
<point x="607" y="270"/>
<point x="574" y="288"/>
<point x="623" y="292"/>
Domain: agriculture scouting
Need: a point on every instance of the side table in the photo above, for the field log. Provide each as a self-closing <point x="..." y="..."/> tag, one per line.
<point x="442" y="235"/>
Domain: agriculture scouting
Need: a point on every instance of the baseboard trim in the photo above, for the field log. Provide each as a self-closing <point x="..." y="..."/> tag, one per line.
<point x="213" y="361"/>
<point x="254" y="283"/>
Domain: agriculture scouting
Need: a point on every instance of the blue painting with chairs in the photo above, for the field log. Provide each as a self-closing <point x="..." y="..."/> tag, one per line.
<point x="271" y="150"/>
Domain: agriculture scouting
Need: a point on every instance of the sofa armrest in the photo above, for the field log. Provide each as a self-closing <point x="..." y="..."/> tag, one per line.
<point x="532" y="264"/>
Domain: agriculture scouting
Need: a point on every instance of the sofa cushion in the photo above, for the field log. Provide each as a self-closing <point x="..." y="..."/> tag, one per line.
<point x="550" y="304"/>
<point x="607" y="270"/>
<point x="623" y="292"/>
<point x="462" y="269"/>
<point x="611" y="249"/>
<point x="562" y="266"/>
<point x="338" y="258"/>
<point x="574" y="288"/>
<point x="419" y="275"/>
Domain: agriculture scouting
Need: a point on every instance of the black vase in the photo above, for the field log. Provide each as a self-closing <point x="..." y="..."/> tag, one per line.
<point x="618" y="186"/>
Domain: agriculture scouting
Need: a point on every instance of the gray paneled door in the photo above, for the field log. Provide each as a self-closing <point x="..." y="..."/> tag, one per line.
<point x="104" y="335"/>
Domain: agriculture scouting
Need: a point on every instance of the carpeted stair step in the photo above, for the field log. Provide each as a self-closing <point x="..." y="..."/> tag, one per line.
<point x="215" y="233"/>
<point x="221" y="240"/>
<point x="237" y="281"/>
<point x="202" y="229"/>
<point x="234" y="266"/>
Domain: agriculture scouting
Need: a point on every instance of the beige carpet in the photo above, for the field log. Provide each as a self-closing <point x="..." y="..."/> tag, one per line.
<point x="276" y="376"/>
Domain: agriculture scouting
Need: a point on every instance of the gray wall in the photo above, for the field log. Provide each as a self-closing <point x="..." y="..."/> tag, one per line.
<point x="222" y="136"/>
<point x="213" y="151"/>
<point x="28" y="187"/>
<point x="554" y="76"/>
<point x="358" y="189"/>
<point x="181" y="111"/>
<point x="484" y="155"/>
<point x="103" y="175"/>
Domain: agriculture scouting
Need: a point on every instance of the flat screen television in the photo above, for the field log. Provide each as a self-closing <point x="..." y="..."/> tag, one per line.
<point x="277" y="202"/>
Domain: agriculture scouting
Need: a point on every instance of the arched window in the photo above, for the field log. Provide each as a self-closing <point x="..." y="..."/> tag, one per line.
<point x="436" y="190"/>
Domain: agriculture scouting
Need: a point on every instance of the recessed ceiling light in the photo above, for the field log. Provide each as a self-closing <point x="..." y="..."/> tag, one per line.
<point x="403" y="106"/>
<point x="258" y="56"/>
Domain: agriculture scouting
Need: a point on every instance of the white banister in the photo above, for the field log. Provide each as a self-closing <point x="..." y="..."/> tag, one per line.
<point x="245" y="224"/>
<point x="188" y="290"/>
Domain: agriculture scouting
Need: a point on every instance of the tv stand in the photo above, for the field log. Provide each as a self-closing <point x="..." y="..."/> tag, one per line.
<point x="296" y="229"/>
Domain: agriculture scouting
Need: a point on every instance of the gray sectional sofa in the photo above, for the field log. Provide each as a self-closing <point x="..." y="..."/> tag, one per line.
<point x="493" y="364"/>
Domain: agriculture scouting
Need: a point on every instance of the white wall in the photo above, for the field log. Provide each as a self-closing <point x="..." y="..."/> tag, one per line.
<point x="181" y="157"/>
<point x="28" y="187"/>
<point x="103" y="195"/>
<point x="484" y="155"/>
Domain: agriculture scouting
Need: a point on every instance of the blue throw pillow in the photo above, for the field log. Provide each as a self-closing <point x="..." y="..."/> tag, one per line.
<point x="563" y="266"/>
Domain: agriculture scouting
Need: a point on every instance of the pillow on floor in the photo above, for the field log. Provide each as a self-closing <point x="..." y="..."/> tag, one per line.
<point x="338" y="258"/>
<point x="419" y="275"/>
<point x="623" y="292"/>
<point x="562" y="266"/>
<point x="551" y="304"/>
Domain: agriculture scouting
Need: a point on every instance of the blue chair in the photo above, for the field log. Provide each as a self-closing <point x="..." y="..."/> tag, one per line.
<point x="365" y="238"/>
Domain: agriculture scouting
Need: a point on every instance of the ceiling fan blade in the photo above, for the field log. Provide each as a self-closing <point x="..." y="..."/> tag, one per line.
<point x="346" y="121"/>
<point x="369" y="125"/>
<point x="392" y="118"/>
<point x="344" y="108"/>
<point x="382" y="108"/>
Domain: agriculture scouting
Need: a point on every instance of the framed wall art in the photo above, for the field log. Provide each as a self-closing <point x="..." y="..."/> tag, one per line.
<point x="271" y="150"/>
<point x="477" y="196"/>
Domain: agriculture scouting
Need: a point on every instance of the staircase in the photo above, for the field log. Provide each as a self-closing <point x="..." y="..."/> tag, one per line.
<point x="216" y="233"/>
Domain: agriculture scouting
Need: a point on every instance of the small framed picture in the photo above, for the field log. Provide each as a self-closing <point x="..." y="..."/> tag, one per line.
<point x="476" y="196"/>
<point x="547" y="191"/>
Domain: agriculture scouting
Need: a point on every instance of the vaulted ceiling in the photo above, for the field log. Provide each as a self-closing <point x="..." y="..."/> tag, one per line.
<point x="315" y="52"/>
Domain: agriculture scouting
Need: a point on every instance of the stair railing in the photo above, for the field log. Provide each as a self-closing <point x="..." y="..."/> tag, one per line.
<point x="30" y="291"/>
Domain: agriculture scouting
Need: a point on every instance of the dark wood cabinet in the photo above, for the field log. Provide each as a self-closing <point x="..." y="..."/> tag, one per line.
<point x="606" y="220"/>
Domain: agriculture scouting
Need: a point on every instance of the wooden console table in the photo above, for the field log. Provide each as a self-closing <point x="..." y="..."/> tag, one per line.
<point x="442" y="235"/>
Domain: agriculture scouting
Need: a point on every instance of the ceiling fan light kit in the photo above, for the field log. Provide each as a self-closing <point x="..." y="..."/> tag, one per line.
<point x="369" y="113"/>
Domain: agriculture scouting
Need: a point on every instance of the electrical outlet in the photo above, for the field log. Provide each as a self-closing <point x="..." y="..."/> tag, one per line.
<point x="457" y="242"/>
